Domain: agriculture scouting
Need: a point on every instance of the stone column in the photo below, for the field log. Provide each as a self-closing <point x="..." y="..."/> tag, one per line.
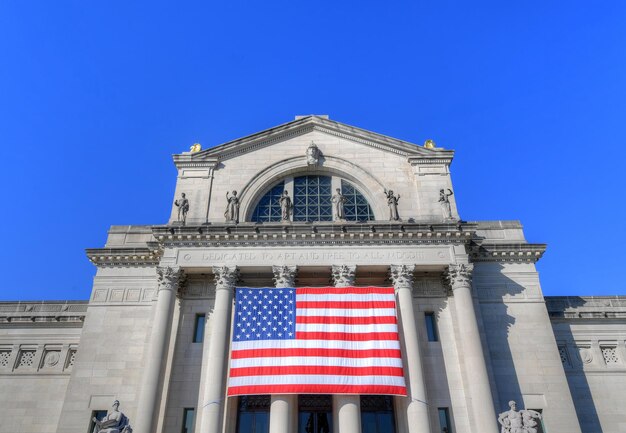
<point x="414" y="406"/>
<point x="169" y="279"/>
<point x="283" y="408"/>
<point x="214" y="359"/>
<point x="346" y="408"/>
<point x="459" y="277"/>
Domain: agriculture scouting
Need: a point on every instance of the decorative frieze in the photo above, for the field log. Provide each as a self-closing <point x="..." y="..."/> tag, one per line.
<point x="609" y="353"/>
<point x="343" y="275"/>
<point x="26" y="358"/>
<point x="5" y="356"/>
<point x="284" y="276"/>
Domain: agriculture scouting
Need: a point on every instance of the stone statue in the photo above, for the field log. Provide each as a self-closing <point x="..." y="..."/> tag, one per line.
<point x="232" y="208"/>
<point x="445" y="203"/>
<point x="338" y="202"/>
<point x="285" y="206"/>
<point x="113" y="422"/>
<point x="392" y="202"/>
<point x="183" y="208"/>
<point x="523" y="421"/>
<point x="312" y="154"/>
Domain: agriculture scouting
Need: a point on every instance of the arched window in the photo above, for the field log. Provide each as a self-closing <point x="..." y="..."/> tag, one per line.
<point x="312" y="200"/>
<point x="268" y="208"/>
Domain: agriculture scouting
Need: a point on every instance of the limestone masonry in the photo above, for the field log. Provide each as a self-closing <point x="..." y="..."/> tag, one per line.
<point x="315" y="202"/>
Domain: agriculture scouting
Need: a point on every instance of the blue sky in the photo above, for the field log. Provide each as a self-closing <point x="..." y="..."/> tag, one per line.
<point x="95" y="97"/>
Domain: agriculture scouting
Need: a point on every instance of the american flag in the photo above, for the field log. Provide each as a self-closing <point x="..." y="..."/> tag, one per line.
<point x="325" y="340"/>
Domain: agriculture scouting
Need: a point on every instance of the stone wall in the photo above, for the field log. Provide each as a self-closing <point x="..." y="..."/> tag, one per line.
<point x="38" y="347"/>
<point x="591" y="333"/>
<point x="520" y="346"/>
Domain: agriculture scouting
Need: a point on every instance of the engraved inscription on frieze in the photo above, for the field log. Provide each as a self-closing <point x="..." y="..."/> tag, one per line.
<point x="327" y="256"/>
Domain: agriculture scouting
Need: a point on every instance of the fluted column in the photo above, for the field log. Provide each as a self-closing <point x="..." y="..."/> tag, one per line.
<point x="284" y="408"/>
<point x="414" y="406"/>
<point x="346" y="408"/>
<point x="459" y="277"/>
<point x="215" y="357"/>
<point x="169" y="279"/>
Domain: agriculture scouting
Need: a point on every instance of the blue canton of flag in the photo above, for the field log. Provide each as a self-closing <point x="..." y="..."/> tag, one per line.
<point x="265" y="314"/>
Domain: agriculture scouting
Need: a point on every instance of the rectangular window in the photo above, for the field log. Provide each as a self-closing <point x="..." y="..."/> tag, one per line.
<point x="188" y="417"/>
<point x="198" y="331"/>
<point x="431" y="326"/>
<point x="444" y="420"/>
<point x="253" y="415"/>
<point x="98" y="414"/>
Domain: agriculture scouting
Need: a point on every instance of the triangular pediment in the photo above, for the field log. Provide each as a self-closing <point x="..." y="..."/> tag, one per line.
<point x="306" y="124"/>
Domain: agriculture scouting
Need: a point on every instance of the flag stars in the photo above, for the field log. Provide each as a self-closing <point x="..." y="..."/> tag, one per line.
<point x="265" y="314"/>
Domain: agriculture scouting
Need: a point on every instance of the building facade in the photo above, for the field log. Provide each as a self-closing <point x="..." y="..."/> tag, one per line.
<point x="363" y="209"/>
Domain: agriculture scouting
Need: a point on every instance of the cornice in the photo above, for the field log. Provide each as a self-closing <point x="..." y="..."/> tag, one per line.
<point x="586" y="308"/>
<point x="125" y="257"/>
<point x="309" y="234"/>
<point x="47" y="314"/>
<point x="308" y="124"/>
<point x="513" y="252"/>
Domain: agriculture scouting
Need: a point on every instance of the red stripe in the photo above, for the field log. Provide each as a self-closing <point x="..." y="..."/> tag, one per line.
<point x="345" y="304"/>
<point x="343" y="290"/>
<point x="330" y="353"/>
<point x="318" y="389"/>
<point x="346" y="336"/>
<point x="316" y="369"/>
<point x="333" y="320"/>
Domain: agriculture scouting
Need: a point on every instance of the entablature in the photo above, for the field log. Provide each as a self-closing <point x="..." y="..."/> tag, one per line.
<point x="308" y="234"/>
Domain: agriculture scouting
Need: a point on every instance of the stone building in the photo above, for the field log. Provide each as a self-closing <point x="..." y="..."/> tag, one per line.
<point x="476" y="330"/>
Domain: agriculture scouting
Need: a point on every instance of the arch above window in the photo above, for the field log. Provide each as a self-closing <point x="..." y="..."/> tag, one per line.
<point x="312" y="200"/>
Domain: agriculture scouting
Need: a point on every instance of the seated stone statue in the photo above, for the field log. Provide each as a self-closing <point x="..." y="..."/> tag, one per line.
<point x="113" y="422"/>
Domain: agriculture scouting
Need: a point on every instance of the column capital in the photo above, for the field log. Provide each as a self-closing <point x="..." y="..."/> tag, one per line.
<point x="170" y="277"/>
<point x="402" y="276"/>
<point x="225" y="277"/>
<point x="343" y="275"/>
<point x="284" y="276"/>
<point x="458" y="275"/>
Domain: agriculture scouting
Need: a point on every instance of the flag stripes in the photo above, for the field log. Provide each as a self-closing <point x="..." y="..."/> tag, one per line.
<point x="316" y="340"/>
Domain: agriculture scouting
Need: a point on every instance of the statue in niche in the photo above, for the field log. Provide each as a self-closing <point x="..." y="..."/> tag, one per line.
<point x="113" y="422"/>
<point x="286" y="206"/>
<point x="183" y="207"/>
<point x="523" y="421"/>
<point x="339" y="201"/>
<point x="232" y="208"/>
<point x="392" y="202"/>
<point x="444" y="200"/>
<point x="312" y="154"/>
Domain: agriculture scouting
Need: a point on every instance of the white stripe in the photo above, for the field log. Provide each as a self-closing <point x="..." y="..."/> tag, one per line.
<point x="345" y="298"/>
<point x="315" y="344"/>
<point x="346" y="312"/>
<point x="315" y="379"/>
<point x="314" y="360"/>
<point x="340" y="327"/>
